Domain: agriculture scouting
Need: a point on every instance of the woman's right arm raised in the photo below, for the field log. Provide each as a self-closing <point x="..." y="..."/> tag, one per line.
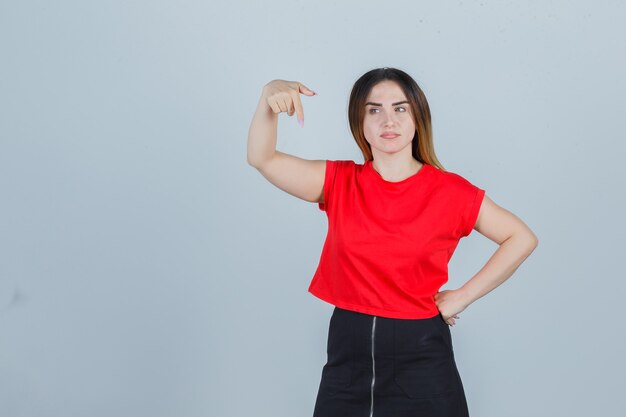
<point x="299" y="177"/>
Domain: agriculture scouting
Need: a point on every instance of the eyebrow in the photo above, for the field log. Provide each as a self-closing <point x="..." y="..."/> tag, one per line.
<point x="378" y="104"/>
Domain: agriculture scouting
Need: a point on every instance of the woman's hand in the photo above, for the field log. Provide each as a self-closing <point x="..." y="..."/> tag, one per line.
<point x="450" y="304"/>
<point x="284" y="96"/>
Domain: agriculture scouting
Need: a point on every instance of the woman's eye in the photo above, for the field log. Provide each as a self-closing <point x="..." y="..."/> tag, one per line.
<point x="374" y="110"/>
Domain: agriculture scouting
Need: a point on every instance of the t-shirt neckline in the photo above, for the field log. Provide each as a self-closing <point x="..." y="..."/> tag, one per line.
<point x="379" y="178"/>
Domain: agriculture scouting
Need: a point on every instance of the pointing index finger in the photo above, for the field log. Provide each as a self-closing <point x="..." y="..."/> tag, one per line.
<point x="298" y="107"/>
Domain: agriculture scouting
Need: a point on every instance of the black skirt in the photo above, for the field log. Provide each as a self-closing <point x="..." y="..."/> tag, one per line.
<point x="386" y="367"/>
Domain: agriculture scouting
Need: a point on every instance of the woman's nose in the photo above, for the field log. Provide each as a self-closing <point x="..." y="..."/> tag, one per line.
<point x="389" y="119"/>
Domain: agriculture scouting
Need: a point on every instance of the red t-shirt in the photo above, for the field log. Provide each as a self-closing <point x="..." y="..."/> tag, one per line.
<point x="389" y="243"/>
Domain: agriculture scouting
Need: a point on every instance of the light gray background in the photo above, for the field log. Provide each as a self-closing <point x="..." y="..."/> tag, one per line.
<point x="147" y="270"/>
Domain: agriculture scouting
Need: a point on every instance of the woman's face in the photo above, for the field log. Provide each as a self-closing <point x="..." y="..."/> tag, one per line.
<point x="387" y="112"/>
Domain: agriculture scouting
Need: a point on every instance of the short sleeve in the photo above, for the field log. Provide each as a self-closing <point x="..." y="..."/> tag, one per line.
<point x="470" y="207"/>
<point x="329" y="181"/>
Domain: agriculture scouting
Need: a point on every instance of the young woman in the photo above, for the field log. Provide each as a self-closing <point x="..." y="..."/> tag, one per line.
<point x="393" y="224"/>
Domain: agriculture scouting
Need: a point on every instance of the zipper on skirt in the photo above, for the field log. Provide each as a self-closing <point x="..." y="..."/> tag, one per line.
<point x="373" y="368"/>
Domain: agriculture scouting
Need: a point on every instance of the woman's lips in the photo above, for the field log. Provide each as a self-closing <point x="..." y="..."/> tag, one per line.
<point x="389" y="135"/>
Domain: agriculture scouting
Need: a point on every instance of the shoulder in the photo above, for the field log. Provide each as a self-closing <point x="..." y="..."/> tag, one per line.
<point x="339" y="170"/>
<point x="454" y="180"/>
<point x="341" y="165"/>
<point x="342" y="162"/>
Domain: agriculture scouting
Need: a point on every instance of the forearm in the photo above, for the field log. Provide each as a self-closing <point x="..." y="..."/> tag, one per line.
<point x="262" y="133"/>
<point x="502" y="264"/>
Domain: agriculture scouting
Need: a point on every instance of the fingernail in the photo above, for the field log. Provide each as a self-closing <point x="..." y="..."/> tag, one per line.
<point x="301" y="123"/>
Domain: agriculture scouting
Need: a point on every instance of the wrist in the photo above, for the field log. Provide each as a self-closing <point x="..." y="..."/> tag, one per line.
<point x="466" y="295"/>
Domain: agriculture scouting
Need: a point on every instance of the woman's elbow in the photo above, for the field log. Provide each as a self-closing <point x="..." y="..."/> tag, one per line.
<point x="531" y="240"/>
